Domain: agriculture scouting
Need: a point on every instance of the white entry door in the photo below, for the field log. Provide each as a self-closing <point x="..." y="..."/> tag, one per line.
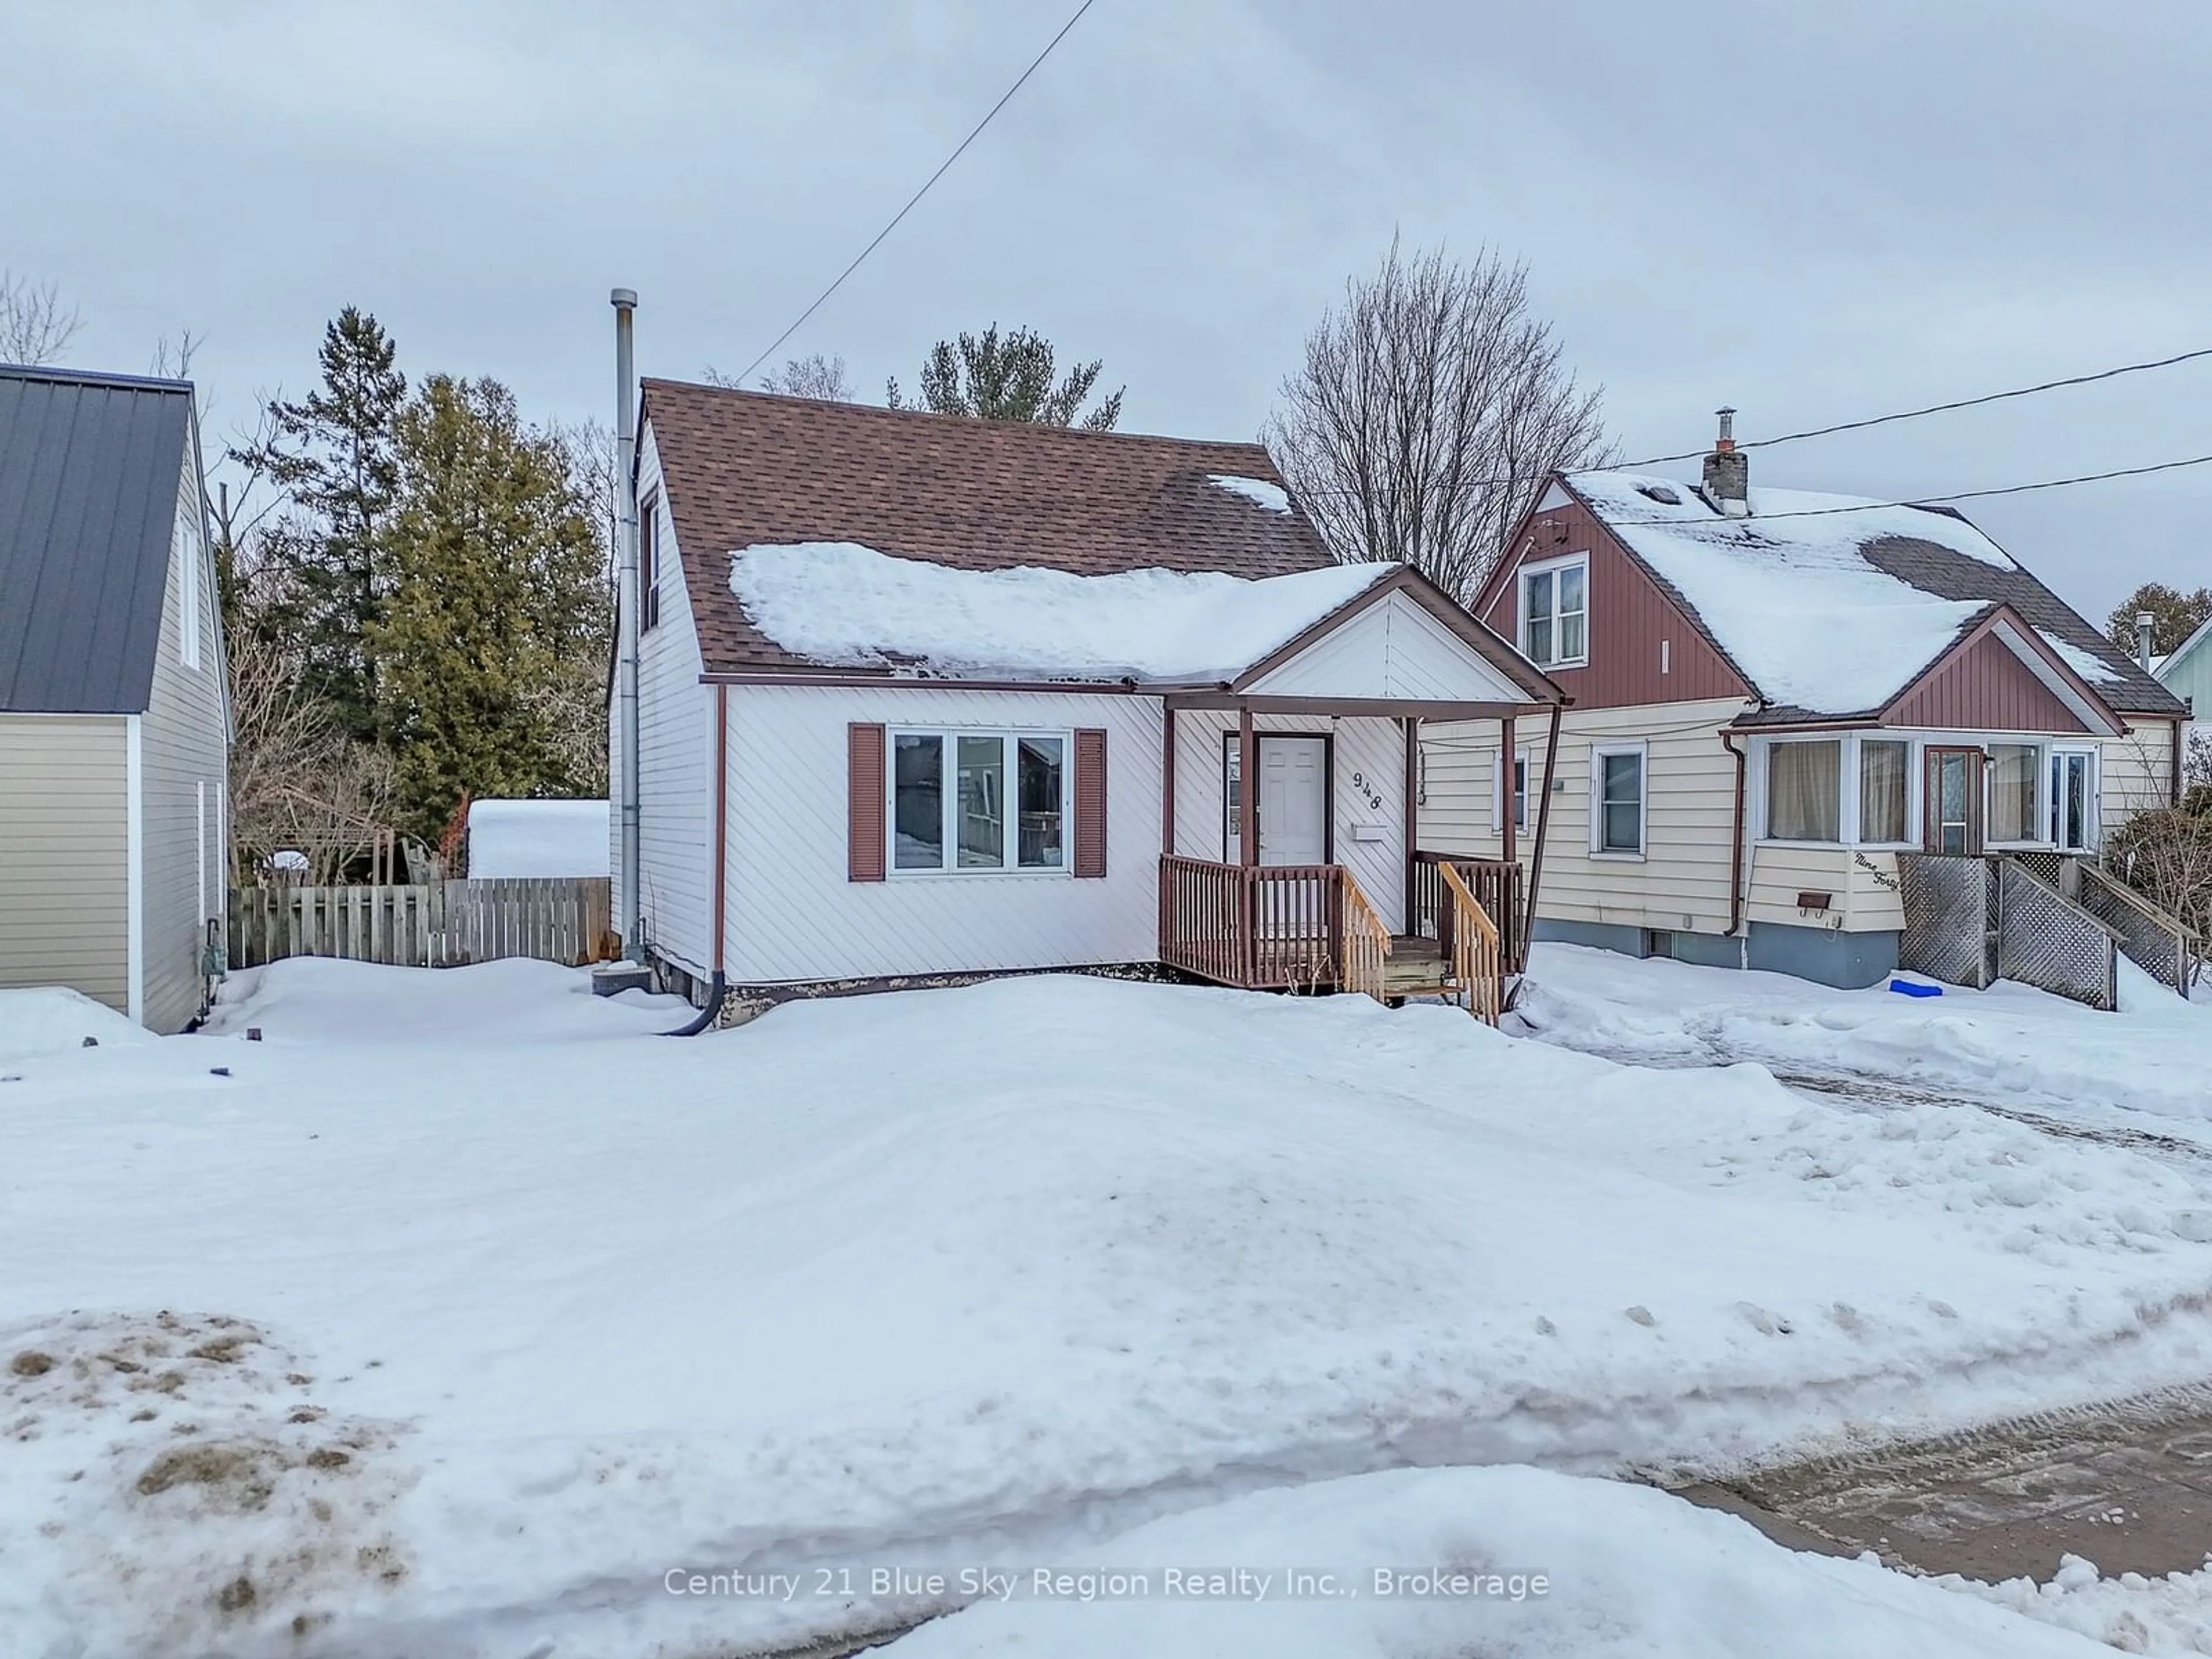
<point x="1293" y="801"/>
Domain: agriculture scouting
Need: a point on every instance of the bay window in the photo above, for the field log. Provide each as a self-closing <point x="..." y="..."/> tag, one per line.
<point x="2013" y="769"/>
<point x="1884" y="767"/>
<point x="1804" y="790"/>
<point x="1001" y="802"/>
<point x="1555" y="612"/>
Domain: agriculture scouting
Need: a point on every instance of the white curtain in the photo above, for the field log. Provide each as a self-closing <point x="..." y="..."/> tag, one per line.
<point x="1881" y="789"/>
<point x="1804" y="790"/>
<point x="2012" y="791"/>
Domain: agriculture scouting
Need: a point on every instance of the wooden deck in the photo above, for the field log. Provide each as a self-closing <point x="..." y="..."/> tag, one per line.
<point x="1280" y="927"/>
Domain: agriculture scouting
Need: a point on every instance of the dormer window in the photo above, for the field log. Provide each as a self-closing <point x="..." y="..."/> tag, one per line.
<point x="1555" y="611"/>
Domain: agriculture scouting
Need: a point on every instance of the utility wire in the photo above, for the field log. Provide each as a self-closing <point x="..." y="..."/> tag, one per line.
<point x="1938" y="409"/>
<point x="1755" y="520"/>
<point x="1004" y="99"/>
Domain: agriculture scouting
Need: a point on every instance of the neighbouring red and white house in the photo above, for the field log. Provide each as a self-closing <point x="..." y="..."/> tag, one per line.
<point x="924" y="695"/>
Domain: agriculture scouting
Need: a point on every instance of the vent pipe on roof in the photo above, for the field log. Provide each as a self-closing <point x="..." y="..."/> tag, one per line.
<point x="2144" y="623"/>
<point x="1728" y="472"/>
<point x="630" y="914"/>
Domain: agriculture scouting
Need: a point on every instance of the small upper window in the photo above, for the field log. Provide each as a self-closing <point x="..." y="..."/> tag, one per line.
<point x="648" y="563"/>
<point x="1555" y="612"/>
<point x="191" y="560"/>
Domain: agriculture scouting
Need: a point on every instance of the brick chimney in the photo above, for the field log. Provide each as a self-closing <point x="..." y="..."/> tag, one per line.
<point x="1728" y="471"/>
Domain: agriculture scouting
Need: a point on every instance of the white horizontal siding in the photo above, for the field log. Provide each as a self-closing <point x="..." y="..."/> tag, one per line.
<point x="2137" y="769"/>
<point x="1682" y="880"/>
<point x="1363" y="748"/>
<point x="1394" y="648"/>
<point x="675" y="750"/>
<point x="793" y="917"/>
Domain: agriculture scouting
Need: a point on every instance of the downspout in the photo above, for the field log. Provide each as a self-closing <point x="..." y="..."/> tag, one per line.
<point x="1735" y="837"/>
<point x="719" y="985"/>
<point x="1543" y="836"/>
<point x="632" y="922"/>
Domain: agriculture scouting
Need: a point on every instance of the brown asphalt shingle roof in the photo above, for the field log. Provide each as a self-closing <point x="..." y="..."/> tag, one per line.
<point x="740" y="469"/>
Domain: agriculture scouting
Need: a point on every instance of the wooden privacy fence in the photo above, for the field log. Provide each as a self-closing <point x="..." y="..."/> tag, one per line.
<point x="424" y="924"/>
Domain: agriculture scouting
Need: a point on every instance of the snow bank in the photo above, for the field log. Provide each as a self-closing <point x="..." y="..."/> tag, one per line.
<point x="927" y="1278"/>
<point x="1506" y="1563"/>
<point x="1786" y="591"/>
<point x="47" y="1019"/>
<point x="2007" y="1043"/>
<point x="2131" y="1612"/>
<point x="842" y="604"/>
<point x="510" y="839"/>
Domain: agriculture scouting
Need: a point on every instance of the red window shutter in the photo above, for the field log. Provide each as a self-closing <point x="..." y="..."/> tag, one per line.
<point x="864" y="803"/>
<point x="1090" y="803"/>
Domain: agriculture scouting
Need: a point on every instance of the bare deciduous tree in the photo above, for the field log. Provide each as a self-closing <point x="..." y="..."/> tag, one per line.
<point x="298" y="783"/>
<point x="1427" y="415"/>
<point x="34" y="326"/>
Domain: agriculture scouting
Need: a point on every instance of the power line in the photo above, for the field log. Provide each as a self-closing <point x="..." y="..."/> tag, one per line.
<point x="1940" y="409"/>
<point x="1757" y="519"/>
<point x="1004" y="99"/>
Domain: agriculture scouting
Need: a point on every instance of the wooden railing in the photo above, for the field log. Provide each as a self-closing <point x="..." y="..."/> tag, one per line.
<point x="1474" y="953"/>
<point x="1273" y="927"/>
<point x="1496" y="886"/>
<point x="1366" y="944"/>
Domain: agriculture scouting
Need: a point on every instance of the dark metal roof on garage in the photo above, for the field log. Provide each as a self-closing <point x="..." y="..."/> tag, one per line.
<point x="89" y="471"/>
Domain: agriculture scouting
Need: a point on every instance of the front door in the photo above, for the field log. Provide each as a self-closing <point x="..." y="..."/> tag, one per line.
<point x="1293" y="801"/>
<point x="1952" y="810"/>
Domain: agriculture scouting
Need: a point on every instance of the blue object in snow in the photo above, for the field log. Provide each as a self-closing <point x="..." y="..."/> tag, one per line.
<point x="1906" y="987"/>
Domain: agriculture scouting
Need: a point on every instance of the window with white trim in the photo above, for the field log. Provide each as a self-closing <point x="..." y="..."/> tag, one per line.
<point x="979" y="801"/>
<point x="2013" y="769"/>
<point x="1884" y="790"/>
<point x="2073" y="808"/>
<point x="1805" y="790"/>
<point x="192" y="561"/>
<point x="1555" y="611"/>
<point x="1519" y="792"/>
<point x="1617" y="811"/>
<point x="648" y="563"/>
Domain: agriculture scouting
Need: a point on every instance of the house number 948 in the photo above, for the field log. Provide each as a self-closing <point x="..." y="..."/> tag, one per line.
<point x="1367" y="792"/>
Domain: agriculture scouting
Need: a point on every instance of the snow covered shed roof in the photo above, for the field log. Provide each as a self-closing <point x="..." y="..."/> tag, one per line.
<point x="1831" y="605"/>
<point x="90" y="466"/>
<point x="511" y="840"/>
<point x="745" y="468"/>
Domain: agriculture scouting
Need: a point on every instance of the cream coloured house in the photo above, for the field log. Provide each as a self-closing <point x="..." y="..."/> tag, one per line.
<point x="115" y="710"/>
<point x="1775" y="695"/>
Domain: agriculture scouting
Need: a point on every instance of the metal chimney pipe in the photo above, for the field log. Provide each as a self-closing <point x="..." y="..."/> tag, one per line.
<point x="2144" y="623"/>
<point x="630" y="916"/>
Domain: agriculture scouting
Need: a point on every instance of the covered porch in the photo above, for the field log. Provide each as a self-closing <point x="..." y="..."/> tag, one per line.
<point x="1281" y="906"/>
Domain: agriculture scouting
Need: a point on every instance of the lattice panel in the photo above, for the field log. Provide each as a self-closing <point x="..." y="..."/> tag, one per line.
<point x="1948" y="904"/>
<point x="2156" y="942"/>
<point x="2055" y="946"/>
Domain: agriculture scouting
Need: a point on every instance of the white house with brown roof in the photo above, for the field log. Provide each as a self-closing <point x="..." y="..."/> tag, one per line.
<point x="1776" y="695"/>
<point x="922" y="695"/>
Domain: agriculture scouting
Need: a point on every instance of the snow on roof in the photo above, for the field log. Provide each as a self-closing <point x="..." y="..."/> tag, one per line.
<point x="2087" y="664"/>
<point x="511" y="840"/>
<point x="845" y="605"/>
<point x="1258" y="491"/>
<point x="1786" y="591"/>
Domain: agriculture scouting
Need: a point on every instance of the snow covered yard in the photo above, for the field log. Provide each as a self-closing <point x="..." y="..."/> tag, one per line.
<point x="2153" y="1060"/>
<point x="457" y="1314"/>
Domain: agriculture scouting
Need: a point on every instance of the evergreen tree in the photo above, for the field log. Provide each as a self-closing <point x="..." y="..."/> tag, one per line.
<point x="1008" y="379"/>
<point x="2174" y="617"/>
<point x="496" y="610"/>
<point x="334" y="455"/>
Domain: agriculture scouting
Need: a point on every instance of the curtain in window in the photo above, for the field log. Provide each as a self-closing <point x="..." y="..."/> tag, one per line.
<point x="1804" y="790"/>
<point x="2012" y="791"/>
<point x="1882" y="774"/>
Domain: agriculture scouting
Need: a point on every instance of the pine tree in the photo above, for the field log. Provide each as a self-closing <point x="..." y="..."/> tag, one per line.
<point x="334" y="454"/>
<point x="497" y="606"/>
<point x="1008" y="379"/>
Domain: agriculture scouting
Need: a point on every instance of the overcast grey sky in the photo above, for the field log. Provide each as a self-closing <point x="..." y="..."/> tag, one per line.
<point x="1813" y="212"/>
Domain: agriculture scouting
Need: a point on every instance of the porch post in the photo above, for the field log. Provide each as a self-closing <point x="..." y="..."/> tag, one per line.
<point x="1527" y="933"/>
<point x="1248" y="788"/>
<point x="1506" y="786"/>
<point x="1167" y="780"/>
